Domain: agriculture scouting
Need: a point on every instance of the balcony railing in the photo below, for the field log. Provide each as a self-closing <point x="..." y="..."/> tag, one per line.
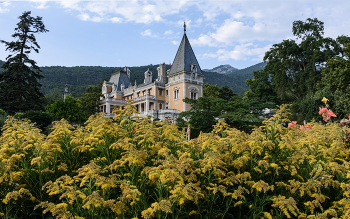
<point x="169" y="111"/>
<point x="154" y="113"/>
<point x="113" y="101"/>
<point x="141" y="98"/>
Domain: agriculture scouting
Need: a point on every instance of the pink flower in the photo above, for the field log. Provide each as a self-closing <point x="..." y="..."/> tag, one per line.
<point x="292" y="124"/>
<point x="326" y="114"/>
<point x="322" y="111"/>
<point x="330" y="113"/>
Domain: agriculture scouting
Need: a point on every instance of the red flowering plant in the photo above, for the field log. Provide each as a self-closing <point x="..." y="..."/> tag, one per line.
<point x="301" y="127"/>
<point x="326" y="113"/>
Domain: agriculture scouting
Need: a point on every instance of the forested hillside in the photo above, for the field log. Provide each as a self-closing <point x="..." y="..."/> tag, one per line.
<point x="241" y="75"/>
<point x="79" y="78"/>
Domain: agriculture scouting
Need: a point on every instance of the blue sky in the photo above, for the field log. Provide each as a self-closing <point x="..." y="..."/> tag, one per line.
<point x="135" y="33"/>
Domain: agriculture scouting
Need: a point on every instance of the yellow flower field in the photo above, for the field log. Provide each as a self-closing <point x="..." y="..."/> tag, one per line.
<point x="128" y="167"/>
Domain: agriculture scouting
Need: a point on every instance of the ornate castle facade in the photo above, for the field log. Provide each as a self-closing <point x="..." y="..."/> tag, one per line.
<point x="160" y="97"/>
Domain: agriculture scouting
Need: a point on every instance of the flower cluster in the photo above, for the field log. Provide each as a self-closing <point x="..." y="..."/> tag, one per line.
<point x="301" y="127"/>
<point x="326" y="114"/>
<point x="128" y="167"/>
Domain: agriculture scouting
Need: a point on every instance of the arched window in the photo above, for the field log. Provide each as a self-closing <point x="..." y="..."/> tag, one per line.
<point x="176" y="93"/>
<point x="194" y="94"/>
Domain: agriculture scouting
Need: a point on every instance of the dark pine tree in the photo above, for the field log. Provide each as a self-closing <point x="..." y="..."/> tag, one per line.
<point x="19" y="86"/>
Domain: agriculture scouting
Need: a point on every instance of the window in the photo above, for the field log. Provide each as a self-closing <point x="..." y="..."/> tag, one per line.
<point x="160" y="106"/>
<point x="160" y="92"/>
<point x="193" y="94"/>
<point x="176" y="93"/>
<point x="167" y="92"/>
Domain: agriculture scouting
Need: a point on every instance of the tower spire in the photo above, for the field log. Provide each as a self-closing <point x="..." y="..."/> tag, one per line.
<point x="185" y="57"/>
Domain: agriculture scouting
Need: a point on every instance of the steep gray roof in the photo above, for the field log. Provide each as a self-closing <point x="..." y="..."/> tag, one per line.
<point x="120" y="78"/>
<point x="184" y="58"/>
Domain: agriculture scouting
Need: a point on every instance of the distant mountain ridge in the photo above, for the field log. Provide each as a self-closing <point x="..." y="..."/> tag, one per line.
<point x="222" y="69"/>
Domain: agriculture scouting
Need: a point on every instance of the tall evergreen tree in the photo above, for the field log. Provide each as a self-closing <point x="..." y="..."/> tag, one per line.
<point x="19" y="86"/>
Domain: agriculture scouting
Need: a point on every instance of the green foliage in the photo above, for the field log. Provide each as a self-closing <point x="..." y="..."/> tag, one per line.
<point x="53" y="96"/>
<point x="239" y="77"/>
<point x="295" y="66"/>
<point x="204" y="113"/>
<point x="19" y="86"/>
<point x="219" y="103"/>
<point x="226" y="93"/>
<point x="211" y="90"/>
<point x="3" y="116"/>
<point x="308" y="107"/>
<point x="69" y="109"/>
<point x="302" y="72"/>
<point x="90" y="102"/>
<point x="79" y="78"/>
<point x="261" y="94"/>
<point x="334" y="85"/>
<point x="336" y="74"/>
<point x="41" y="119"/>
<point x="77" y="109"/>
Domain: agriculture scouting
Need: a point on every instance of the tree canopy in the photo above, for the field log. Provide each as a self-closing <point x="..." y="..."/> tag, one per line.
<point x="295" y="65"/>
<point x="19" y="86"/>
<point x="69" y="109"/>
<point x="302" y="71"/>
<point x="219" y="103"/>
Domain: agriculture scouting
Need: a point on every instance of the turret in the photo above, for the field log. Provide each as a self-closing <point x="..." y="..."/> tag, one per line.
<point x="148" y="76"/>
<point x="162" y="73"/>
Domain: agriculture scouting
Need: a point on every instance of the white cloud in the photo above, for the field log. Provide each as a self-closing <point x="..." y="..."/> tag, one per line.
<point x="130" y="11"/>
<point x="84" y="17"/>
<point x="228" y="30"/>
<point x="147" y="32"/>
<point x="3" y="6"/>
<point x="40" y="4"/>
<point x="204" y="40"/>
<point x="243" y="51"/>
<point x="116" y="19"/>
<point x="168" y="32"/>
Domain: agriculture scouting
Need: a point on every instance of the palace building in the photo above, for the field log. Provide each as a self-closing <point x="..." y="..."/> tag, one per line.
<point x="160" y="96"/>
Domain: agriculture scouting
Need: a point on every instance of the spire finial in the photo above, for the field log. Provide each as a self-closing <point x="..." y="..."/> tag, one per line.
<point x="184" y="27"/>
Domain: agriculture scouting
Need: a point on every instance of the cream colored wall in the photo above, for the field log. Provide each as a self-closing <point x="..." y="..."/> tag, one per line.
<point x="185" y="89"/>
<point x="176" y="104"/>
<point x="189" y="87"/>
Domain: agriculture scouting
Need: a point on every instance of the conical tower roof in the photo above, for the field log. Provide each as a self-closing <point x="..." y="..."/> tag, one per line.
<point x="185" y="57"/>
